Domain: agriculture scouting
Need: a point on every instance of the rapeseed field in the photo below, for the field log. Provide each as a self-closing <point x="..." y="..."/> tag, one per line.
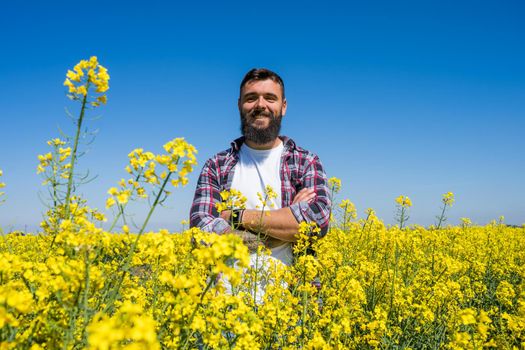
<point x="365" y="285"/>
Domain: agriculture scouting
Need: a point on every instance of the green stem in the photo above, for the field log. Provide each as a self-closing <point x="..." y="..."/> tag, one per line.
<point x="128" y="258"/>
<point x="121" y="209"/>
<point x="442" y="216"/>
<point x="393" y="285"/>
<point x="366" y="221"/>
<point x="402" y="218"/>
<point x="115" y="220"/>
<point x="54" y="182"/>
<point x="208" y="286"/>
<point x="74" y="154"/>
<point x="257" y="252"/>
<point x="155" y="203"/>
<point x="85" y="297"/>
<point x="332" y="199"/>
<point x="304" y="300"/>
<point x="344" y="217"/>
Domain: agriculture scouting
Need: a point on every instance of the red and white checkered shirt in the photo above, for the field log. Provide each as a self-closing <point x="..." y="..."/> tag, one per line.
<point x="299" y="169"/>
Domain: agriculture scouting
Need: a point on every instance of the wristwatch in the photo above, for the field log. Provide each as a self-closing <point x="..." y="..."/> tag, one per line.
<point x="236" y="219"/>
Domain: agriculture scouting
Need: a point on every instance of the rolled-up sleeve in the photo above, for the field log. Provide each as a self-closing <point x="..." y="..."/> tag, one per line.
<point x="318" y="210"/>
<point x="203" y="213"/>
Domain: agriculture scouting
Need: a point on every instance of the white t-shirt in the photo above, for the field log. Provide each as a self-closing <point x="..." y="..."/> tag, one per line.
<point x="255" y="170"/>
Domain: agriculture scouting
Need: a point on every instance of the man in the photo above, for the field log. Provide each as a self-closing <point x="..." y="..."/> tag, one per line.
<point x="257" y="159"/>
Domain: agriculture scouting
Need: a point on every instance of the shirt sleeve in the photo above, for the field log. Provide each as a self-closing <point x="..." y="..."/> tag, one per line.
<point x="203" y="213"/>
<point x="318" y="210"/>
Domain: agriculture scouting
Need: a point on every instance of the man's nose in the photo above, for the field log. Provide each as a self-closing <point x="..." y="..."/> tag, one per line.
<point x="260" y="103"/>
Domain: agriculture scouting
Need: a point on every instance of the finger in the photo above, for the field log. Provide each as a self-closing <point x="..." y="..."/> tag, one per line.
<point x="304" y="197"/>
<point x="305" y="190"/>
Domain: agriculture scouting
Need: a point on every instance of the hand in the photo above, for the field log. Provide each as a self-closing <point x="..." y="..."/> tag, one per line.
<point x="249" y="239"/>
<point x="304" y="195"/>
<point x="225" y="214"/>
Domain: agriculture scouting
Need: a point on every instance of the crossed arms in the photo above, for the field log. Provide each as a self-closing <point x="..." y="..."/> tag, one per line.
<point x="311" y="204"/>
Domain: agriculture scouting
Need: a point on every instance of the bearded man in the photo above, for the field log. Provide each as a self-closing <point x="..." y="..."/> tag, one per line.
<point x="258" y="159"/>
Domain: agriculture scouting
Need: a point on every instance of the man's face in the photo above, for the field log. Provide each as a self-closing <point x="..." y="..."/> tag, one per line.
<point x="262" y="107"/>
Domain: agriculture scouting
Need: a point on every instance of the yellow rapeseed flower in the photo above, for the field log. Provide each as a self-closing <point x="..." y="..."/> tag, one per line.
<point x="110" y="202"/>
<point x="81" y="90"/>
<point x="232" y="199"/>
<point x="2" y="185"/>
<point x="88" y="80"/>
<point x="123" y="197"/>
<point x="113" y="191"/>
<point x="71" y="76"/>
<point x="102" y="99"/>
<point x="467" y="316"/>
<point x="56" y="142"/>
<point x="335" y="184"/>
<point x="404" y="201"/>
<point x="465" y="222"/>
<point x="348" y="208"/>
<point x="448" y="198"/>
<point x="266" y="199"/>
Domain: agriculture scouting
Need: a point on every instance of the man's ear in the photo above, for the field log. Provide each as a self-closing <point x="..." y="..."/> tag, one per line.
<point x="285" y="104"/>
<point x="239" y="104"/>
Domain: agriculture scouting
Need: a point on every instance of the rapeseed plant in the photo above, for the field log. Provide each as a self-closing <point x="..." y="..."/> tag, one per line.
<point x="448" y="200"/>
<point x="402" y="204"/>
<point x="87" y="83"/>
<point x="2" y="185"/>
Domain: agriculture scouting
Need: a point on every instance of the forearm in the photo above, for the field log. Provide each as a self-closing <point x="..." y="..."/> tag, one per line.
<point x="280" y="224"/>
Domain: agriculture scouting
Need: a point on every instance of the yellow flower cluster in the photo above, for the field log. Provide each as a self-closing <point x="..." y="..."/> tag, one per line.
<point x="86" y="75"/>
<point x="334" y="184"/>
<point x="349" y="210"/>
<point x="232" y="199"/>
<point x="404" y="201"/>
<point x="2" y="185"/>
<point x="176" y="164"/>
<point x="130" y="324"/>
<point x="368" y="286"/>
<point x="81" y="216"/>
<point x="306" y="237"/>
<point x="267" y="198"/>
<point x="448" y="198"/>
<point x="176" y="150"/>
<point x="56" y="164"/>
<point x="465" y="222"/>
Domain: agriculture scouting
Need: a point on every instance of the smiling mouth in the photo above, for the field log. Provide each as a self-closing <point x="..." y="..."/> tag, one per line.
<point x="261" y="115"/>
<point x="259" y="120"/>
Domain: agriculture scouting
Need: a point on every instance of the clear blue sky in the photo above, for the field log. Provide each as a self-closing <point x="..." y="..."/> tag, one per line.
<point x="396" y="97"/>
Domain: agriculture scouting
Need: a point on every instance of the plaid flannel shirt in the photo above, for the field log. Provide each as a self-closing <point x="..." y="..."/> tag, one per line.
<point x="299" y="169"/>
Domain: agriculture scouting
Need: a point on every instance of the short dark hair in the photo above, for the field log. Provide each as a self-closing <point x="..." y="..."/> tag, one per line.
<point x="261" y="74"/>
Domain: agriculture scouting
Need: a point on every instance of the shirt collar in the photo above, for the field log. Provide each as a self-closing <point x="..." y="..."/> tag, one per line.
<point x="288" y="143"/>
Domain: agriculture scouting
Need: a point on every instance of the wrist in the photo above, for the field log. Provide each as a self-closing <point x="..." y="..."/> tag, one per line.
<point x="236" y="219"/>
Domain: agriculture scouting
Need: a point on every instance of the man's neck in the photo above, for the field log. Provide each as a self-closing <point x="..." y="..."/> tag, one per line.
<point x="263" y="146"/>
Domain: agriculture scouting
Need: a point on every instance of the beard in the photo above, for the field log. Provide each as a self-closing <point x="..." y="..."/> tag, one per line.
<point x="258" y="135"/>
